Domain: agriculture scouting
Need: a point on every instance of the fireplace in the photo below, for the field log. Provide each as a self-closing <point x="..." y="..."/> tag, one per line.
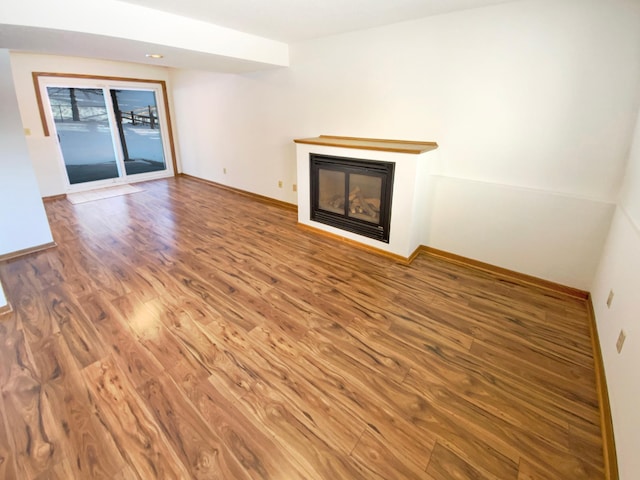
<point x="352" y="194"/>
<point x="342" y="179"/>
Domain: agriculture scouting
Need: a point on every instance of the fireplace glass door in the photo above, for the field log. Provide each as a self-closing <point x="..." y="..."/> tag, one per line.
<point x="352" y="194"/>
<point x="364" y="197"/>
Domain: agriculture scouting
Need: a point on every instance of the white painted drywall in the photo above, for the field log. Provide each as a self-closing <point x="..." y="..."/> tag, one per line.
<point x="619" y="270"/>
<point x="531" y="102"/>
<point x="559" y="237"/>
<point x="44" y="151"/>
<point x="110" y="18"/>
<point x="23" y="221"/>
<point x="3" y="299"/>
<point x="242" y="123"/>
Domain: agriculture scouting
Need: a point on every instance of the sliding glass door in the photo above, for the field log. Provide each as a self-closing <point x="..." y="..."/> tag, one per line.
<point x="108" y="133"/>
<point x="84" y="133"/>
<point x="136" y="115"/>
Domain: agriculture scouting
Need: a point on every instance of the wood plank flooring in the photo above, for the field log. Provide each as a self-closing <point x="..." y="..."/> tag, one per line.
<point x="191" y="332"/>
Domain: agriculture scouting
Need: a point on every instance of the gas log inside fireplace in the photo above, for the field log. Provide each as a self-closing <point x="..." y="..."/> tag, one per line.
<point x="352" y="194"/>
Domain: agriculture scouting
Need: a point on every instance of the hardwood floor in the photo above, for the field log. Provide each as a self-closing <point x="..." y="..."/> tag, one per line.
<point x="190" y="332"/>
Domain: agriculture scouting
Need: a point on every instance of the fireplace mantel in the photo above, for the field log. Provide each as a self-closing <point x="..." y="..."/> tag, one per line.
<point x="411" y="203"/>
<point x="397" y="146"/>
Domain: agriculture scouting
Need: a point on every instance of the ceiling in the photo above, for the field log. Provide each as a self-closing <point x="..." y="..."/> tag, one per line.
<point x="286" y="21"/>
<point x="76" y="44"/>
<point x="292" y="21"/>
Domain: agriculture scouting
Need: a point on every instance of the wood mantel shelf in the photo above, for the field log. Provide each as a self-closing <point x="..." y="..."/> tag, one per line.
<point x="397" y="146"/>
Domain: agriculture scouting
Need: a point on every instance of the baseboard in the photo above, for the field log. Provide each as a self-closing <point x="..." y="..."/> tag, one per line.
<point x="52" y="198"/>
<point x="362" y="246"/>
<point x="469" y="262"/>
<point x="5" y="309"/>
<point x="505" y="272"/>
<point x="415" y="253"/>
<point x="606" y="423"/>
<point x="255" y="196"/>
<point x="27" y="251"/>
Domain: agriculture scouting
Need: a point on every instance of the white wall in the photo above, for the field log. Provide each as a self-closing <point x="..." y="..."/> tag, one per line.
<point x="23" y="221"/>
<point x="3" y="300"/>
<point x="619" y="270"/>
<point x="44" y="151"/>
<point x="552" y="236"/>
<point x="531" y="102"/>
<point x="242" y="123"/>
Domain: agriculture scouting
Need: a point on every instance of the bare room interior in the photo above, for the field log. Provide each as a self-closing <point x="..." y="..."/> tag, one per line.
<point x="322" y="240"/>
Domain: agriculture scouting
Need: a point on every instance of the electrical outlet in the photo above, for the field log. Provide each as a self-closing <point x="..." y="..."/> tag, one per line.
<point x="609" y="298"/>
<point x="295" y="187"/>
<point x="621" y="339"/>
<point x="224" y="170"/>
<point x="279" y="183"/>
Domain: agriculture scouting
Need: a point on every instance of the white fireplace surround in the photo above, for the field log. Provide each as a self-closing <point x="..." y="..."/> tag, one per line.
<point x="409" y="205"/>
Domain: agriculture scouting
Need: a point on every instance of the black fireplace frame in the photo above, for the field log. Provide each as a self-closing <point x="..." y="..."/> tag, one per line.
<point x="385" y="170"/>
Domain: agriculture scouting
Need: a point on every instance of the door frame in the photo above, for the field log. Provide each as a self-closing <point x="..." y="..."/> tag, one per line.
<point x="43" y="79"/>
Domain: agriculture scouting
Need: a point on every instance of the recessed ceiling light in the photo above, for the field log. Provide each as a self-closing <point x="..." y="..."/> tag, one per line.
<point x="154" y="55"/>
